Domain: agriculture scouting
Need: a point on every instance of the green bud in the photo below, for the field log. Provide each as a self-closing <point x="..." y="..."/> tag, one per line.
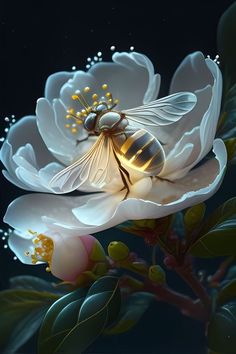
<point x="97" y="254"/>
<point x="157" y="274"/>
<point x="118" y="251"/>
<point x="194" y="215"/>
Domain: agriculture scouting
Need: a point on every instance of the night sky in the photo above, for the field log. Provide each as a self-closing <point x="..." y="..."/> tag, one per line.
<point x="38" y="39"/>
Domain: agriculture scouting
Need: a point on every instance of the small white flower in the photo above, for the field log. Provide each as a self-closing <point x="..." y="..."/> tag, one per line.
<point x="131" y="79"/>
<point x="66" y="254"/>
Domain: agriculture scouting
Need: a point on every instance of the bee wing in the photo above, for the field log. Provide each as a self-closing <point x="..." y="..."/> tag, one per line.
<point x="164" y="111"/>
<point x="95" y="167"/>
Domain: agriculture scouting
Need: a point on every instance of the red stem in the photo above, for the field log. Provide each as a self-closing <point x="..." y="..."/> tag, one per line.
<point x="187" y="275"/>
<point x="186" y="305"/>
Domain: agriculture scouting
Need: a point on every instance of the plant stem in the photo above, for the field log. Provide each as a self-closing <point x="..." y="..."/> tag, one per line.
<point x="184" y="303"/>
<point x="187" y="275"/>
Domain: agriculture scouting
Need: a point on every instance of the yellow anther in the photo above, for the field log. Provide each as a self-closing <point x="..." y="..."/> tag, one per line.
<point x="32" y="232"/>
<point x="48" y="269"/>
<point x="108" y="94"/>
<point x="74" y="130"/>
<point x="87" y="89"/>
<point x="104" y="86"/>
<point x="94" y="96"/>
<point x="95" y="103"/>
<point x="75" y="97"/>
<point x="110" y="100"/>
<point x="71" y="111"/>
<point x="116" y="101"/>
<point x="68" y="116"/>
<point x="78" y="114"/>
<point x="67" y="126"/>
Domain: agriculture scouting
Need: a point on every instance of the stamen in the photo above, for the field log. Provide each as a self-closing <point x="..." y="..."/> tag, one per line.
<point x="44" y="250"/>
<point x="104" y="86"/>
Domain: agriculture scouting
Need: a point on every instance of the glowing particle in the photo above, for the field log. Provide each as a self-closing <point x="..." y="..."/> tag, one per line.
<point x="99" y="54"/>
<point x="131" y="48"/>
<point x="89" y="59"/>
<point x="100" y="59"/>
<point x="1" y="231"/>
<point x="3" y="238"/>
<point x="6" y="130"/>
<point x="95" y="58"/>
<point x="5" y="246"/>
<point x="112" y="48"/>
<point x="15" y="258"/>
<point x="73" y="67"/>
<point x="87" y="66"/>
<point x="92" y="63"/>
<point x="6" y="119"/>
<point x="5" y="234"/>
<point x="13" y="120"/>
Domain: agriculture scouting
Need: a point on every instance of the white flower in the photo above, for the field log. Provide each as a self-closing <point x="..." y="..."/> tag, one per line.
<point x="37" y="148"/>
<point x="66" y="253"/>
<point x="182" y="181"/>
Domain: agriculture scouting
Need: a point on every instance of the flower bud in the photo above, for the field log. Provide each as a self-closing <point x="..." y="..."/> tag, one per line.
<point x="118" y="251"/>
<point x="157" y="274"/>
<point x="194" y="216"/>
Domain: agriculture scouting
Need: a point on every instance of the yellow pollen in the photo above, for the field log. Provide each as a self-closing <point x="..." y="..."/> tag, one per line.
<point x="67" y="126"/>
<point x="110" y="100"/>
<point x="74" y="130"/>
<point x="94" y="96"/>
<point x="95" y="103"/>
<point x="71" y="111"/>
<point x="75" y="97"/>
<point x="104" y="86"/>
<point x="108" y="94"/>
<point x="116" y="101"/>
<point x="87" y="89"/>
<point x="44" y="250"/>
<point x="68" y="116"/>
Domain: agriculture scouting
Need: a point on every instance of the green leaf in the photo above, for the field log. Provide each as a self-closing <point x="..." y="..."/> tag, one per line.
<point x="21" y="313"/>
<point x="231" y="274"/>
<point x="226" y="35"/>
<point x="227" y="293"/>
<point x="133" y="310"/>
<point x="75" y="321"/>
<point x="217" y="237"/>
<point x="227" y="125"/>
<point x="222" y="329"/>
<point x="48" y="339"/>
<point x="34" y="283"/>
<point x="194" y="216"/>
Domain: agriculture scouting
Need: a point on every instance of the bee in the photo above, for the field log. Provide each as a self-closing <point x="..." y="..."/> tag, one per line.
<point x="122" y="141"/>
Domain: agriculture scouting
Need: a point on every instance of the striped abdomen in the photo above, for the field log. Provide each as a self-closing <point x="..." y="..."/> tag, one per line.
<point x="141" y="150"/>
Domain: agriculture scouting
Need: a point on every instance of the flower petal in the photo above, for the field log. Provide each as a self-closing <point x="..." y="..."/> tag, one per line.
<point x="165" y="198"/>
<point x="70" y="257"/>
<point x="55" y="82"/>
<point x="20" y="244"/>
<point x="130" y="78"/>
<point x="19" y="152"/>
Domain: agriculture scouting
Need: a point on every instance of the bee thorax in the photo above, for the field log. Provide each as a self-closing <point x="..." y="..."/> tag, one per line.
<point x="112" y="121"/>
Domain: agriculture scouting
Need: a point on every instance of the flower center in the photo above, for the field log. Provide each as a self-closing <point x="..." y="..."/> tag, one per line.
<point x="90" y="103"/>
<point x="43" y="249"/>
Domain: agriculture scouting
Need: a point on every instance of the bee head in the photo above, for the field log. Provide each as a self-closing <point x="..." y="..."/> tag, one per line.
<point x="90" y="121"/>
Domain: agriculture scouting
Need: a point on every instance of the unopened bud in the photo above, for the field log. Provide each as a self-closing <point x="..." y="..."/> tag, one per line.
<point x="157" y="274"/>
<point x="118" y="251"/>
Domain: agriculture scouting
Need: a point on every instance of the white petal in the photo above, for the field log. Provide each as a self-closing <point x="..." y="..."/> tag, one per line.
<point x="54" y="84"/>
<point x="20" y="244"/>
<point x="165" y="198"/>
<point x="130" y="78"/>
<point x="69" y="258"/>
<point x="63" y="147"/>
<point x="18" y="154"/>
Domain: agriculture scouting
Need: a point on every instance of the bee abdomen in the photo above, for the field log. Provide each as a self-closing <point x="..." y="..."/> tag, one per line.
<point x="144" y="152"/>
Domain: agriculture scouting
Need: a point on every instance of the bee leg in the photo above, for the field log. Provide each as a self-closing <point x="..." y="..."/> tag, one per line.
<point x="124" y="175"/>
<point x="164" y="179"/>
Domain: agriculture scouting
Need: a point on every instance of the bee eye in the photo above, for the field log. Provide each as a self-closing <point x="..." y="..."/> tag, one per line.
<point x="90" y="121"/>
<point x="101" y="107"/>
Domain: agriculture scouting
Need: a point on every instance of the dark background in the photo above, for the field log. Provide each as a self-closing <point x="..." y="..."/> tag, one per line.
<point x="37" y="39"/>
